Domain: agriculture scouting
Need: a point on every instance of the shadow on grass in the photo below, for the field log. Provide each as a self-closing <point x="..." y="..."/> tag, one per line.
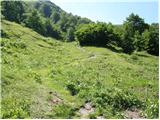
<point x="143" y="55"/>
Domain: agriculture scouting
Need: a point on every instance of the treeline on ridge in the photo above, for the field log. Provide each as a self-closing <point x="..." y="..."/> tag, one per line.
<point x="42" y="16"/>
<point x="49" y="20"/>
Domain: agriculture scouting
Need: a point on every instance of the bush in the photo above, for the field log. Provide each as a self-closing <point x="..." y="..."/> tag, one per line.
<point x="98" y="34"/>
<point x="117" y="98"/>
<point x="72" y="88"/>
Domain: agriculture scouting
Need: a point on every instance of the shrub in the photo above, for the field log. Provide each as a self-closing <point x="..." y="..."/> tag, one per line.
<point x="72" y="88"/>
<point x="98" y="34"/>
<point x="117" y="98"/>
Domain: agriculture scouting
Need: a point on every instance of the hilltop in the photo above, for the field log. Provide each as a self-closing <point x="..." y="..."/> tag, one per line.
<point x="46" y="78"/>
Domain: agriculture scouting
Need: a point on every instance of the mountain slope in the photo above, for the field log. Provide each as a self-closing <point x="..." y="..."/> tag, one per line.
<point x="44" y="17"/>
<point x="45" y="78"/>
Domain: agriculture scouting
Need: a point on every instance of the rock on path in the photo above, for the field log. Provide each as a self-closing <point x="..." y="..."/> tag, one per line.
<point x="86" y="110"/>
<point x="132" y="114"/>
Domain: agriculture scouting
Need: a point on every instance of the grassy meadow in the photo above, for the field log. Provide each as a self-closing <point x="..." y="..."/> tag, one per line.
<point x="45" y="78"/>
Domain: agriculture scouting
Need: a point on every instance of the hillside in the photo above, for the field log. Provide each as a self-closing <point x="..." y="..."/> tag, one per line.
<point x="46" y="78"/>
<point x="44" y="17"/>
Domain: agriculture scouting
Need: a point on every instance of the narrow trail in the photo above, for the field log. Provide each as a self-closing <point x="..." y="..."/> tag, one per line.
<point x="90" y="56"/>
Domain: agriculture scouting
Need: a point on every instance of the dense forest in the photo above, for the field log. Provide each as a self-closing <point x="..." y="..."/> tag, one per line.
<point x="56" y="65"/>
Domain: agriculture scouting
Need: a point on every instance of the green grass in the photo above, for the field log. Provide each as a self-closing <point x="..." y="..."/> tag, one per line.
<point x="33" y="66"/>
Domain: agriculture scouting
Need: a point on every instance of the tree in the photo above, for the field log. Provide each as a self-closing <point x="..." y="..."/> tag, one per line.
<point x="13" y="10"/>
<point x="145" y="37"/>
<point x="46" y="10"/>
<point x="127" y="42"/>
<point x="55" y="17"/>
<point x="51" y="30"/>
<point x="153" y="43"/>
<point x="70" y="34"/>
<point x="63" y="22"/>
<point x="136" y="23"/>
<point x="37" y="5"/>
<point x="133" y="25"/>
<point x="140" y="41"/>
<point x="34" y="21"/>
<point x="83" y="20"/>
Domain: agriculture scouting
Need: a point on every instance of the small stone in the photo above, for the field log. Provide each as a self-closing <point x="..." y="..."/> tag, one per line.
<point x="88" y="106"/>
<point x="100" y="117"/>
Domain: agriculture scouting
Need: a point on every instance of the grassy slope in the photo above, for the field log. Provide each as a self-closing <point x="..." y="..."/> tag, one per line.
<point x="34" y="66"/>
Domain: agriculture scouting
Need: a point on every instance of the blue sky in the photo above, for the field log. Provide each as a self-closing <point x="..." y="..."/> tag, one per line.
<point x="114" y="11"/>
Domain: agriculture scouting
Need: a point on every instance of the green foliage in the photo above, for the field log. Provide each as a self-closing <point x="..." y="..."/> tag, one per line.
<point x="34" y="21"/>
<point x="139" y="37"/>
<point x="70" y="34"/>
<point x="63" y="22"/>
<point x="133" y="26"/>
<point x="8" y="44"/>
<point x="153" y="43"/>
<point x="49" y="20"/>
<point x="117" y="98"/>
<point x="15" y="109"/>
<point x="145" y="39"/>
<point x="72" y="88"/>
<point x="52" y="30"/>
<point x="36" y="77"/>
<point x="128" y="44"/>
<point x="13" y="10"/>
<point x="152" y="109"/>
<point x="46" y="10"/>
<point x="55" y="17"/>
<point x="4" y="34"/>
<point x="135" y="23"/>
<point x="44" y="17"/>
<point x="140" y="42"/>
<point x="98" y="75"/>
<point x="98" y="34"/>
<point x="62" y="111"/>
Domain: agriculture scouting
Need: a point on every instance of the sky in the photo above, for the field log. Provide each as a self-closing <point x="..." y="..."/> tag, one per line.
<point x="114" y="11"/>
